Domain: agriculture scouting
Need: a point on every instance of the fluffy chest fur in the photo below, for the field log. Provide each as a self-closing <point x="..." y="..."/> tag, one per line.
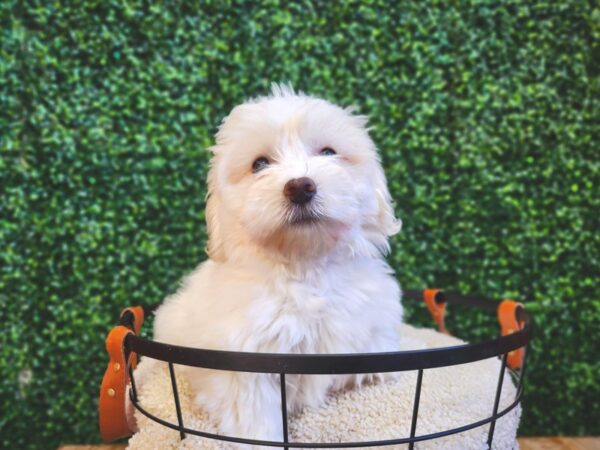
<point x="349" y="307"/>
<point x="340" y="308"/>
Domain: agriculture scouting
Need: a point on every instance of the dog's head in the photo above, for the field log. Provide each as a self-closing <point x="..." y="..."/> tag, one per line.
<point x="294" y="175"/>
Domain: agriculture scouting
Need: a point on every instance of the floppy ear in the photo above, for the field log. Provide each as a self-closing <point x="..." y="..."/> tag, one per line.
<point x="384" y="223"/>
<point x="214" y="246"/>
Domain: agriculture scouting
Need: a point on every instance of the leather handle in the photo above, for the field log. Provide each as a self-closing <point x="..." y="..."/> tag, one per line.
<point x="138" y="317"/>
<point x="434" y="299"/>
<point x="112" y="403"/>
<point x="507" y="317"/>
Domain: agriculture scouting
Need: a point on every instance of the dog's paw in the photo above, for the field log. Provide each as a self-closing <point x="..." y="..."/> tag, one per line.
<point x="387" y="377"/>
<point x="365" y="379"/>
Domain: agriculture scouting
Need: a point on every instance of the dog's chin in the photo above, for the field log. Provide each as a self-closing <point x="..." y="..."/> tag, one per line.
<point x="303" y="217"/>
<point x="304" y="236"/>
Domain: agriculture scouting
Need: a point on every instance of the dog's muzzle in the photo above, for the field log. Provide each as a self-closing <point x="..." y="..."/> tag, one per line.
<point x="300" y="190"/>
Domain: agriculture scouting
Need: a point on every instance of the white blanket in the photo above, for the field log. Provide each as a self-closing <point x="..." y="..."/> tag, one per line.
<point x="450" y="397"/>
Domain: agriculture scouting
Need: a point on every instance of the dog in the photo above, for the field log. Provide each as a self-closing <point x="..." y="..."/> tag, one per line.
<point x="298" y="216"/>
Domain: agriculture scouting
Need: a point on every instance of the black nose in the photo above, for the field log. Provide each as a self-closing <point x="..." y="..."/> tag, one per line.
<point x="300" y="190"/>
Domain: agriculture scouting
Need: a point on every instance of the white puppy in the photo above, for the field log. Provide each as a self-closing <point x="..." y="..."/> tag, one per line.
<point x="298" y="216"/>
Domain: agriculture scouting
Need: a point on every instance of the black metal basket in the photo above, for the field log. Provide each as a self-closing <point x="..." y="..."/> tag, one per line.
<point x="514" y="340"/>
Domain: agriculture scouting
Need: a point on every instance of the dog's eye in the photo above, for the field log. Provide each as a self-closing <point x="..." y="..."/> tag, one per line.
<point x="327" y="151"/>
<point x="259" y="164"/>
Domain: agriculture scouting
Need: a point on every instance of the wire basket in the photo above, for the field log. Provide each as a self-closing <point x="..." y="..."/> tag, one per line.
<point x="124" y="346"/>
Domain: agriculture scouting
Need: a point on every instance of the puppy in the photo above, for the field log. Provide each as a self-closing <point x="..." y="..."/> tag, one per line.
<point x="298" y="217"/>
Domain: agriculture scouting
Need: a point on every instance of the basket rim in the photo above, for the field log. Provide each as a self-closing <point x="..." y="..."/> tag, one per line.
<point x="350" y="363"/>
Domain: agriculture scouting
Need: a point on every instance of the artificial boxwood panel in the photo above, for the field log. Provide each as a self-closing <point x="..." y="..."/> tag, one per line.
<point x="486" y="114"/>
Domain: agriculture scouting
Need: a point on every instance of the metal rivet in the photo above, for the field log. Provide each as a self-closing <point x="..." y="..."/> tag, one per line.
<point x="117" y="366"/>
<point x="111" y="392"/>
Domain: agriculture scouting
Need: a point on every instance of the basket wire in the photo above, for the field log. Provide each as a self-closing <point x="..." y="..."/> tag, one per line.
<point x="283" y="364"/>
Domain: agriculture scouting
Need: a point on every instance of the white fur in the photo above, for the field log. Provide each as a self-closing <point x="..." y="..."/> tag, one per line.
<point x="272" y="285"/>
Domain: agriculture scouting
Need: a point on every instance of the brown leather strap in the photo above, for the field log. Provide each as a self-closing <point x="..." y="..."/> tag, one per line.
<point x="138" y="317"/>
<point x="112" y="413"/>
<point x="509" y="324"/>
<point x="436" y="308"/>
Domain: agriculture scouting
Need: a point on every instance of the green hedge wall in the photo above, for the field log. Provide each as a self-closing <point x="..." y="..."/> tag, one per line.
<point x="486" y="113"/>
